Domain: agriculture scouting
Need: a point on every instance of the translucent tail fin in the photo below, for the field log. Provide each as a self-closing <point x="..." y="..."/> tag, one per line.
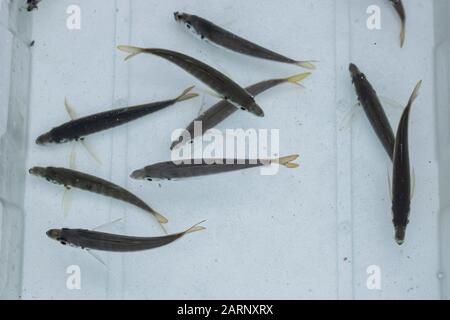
<point x="415" y="94"/>
<point x="287" y="161"/>
<point x="195" y="228"/>
<point x="133" y="51"/>
<point x="306" y="64"/>
<point x="297" y="78"/>
<point x="186" y="95"/>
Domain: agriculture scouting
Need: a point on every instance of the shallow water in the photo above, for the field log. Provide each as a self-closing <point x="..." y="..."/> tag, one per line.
<point x="314" y="232"/>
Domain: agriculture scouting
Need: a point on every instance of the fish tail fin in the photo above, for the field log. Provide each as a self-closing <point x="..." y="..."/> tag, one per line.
<point x="195" y="228"/>
<point x="287" y="161"/>
<point x="306" y="64"/>
<point x="186" y="95"/>
<point x="402" y="35"/>
<point x="414" y="94"/>
<point x="133" y="51"/>
<point x="297" y="78"/>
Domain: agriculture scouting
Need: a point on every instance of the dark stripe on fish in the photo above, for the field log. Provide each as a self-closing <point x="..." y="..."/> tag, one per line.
<point x="401" y="175"/>
<point x="71" y="178"/>
<point x="368" y="98"/>
<point x="208" y="30"/>
<point x="94" y="240"/>
<point x="223" y="109"/>
<point x="79" y="128"/>
<point x="216" y="80"/>
<point x="172" y="171"/>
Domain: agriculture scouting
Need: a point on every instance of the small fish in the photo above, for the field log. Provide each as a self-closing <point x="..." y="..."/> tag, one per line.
<point x="368" y="98"/>
<point x="223" y="109"/>
<point x="79" y="128"/>
<point x="173" y="171"/>
<point x="223" y="85"/>
<point x="401" y="175"/>
<point x="398" y="5"/>
<point x="32" y="4"/>
<point x="208" y="30"/>
<point x="94" y="240"/>
<point x="71" y="178"/>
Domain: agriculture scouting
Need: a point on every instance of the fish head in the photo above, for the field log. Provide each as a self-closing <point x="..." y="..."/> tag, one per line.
<point x="254" y="108"/>
<point x="44" y="139"/>
<point x="140" y="174"/>
<point x="400" y="221"/>
<point x="182" y="17"/>
<point x="188" y="20"/>
<point x="400" y="232"/>
<point x="38" y="171"/>
<point x="150" y="173"/>
<point x="54" y="234"/>
<point x="58" y="235"/>
<point x="356" y="73"/>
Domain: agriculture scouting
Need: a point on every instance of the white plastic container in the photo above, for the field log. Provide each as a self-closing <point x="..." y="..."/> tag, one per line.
<point x="321" y="231"/>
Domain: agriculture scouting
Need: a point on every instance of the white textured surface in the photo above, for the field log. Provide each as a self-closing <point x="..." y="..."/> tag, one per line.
<point x="306" y="233"/>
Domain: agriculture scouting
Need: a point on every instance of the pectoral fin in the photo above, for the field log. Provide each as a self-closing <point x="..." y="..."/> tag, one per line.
<point x="107" y="225"/>
<point x="70" y="110"/>
<point x="348" y="118"/>
<point x="96" y="257"/>
<point x="73" y="116"/>
<point x="91" y="152"/>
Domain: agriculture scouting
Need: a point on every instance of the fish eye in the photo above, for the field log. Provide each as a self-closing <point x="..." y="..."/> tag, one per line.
<point x="188" y="25"/>
<point x="63" y="243"/>
<point x="149" y="179"/>
<point x="243" y="109"/>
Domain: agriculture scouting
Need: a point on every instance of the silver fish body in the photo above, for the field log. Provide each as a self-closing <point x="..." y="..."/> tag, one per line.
<point x="217" y="35"/>
<point x="401" y="175"/>
<point x="203" y="167"/>
<point x="82" y="127"/>
<point x="368" y="98"/>
<point x="94" y="240"/>
<point x="223" y="109"/>
<point x="71" y="178"/>
<point x="216" y="80"/>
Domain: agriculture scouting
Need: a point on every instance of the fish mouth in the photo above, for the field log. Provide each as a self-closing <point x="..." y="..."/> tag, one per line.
<point x="400" y="235"/>
<point x="44" y="139"/>
<point x="354" y="70"/>
<point x="138" y="174"/>
<point x="256" y="110"/>
<point x="37" y="171"/>
<point x="178" y="16"/>
<point x="54" y="234"/>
